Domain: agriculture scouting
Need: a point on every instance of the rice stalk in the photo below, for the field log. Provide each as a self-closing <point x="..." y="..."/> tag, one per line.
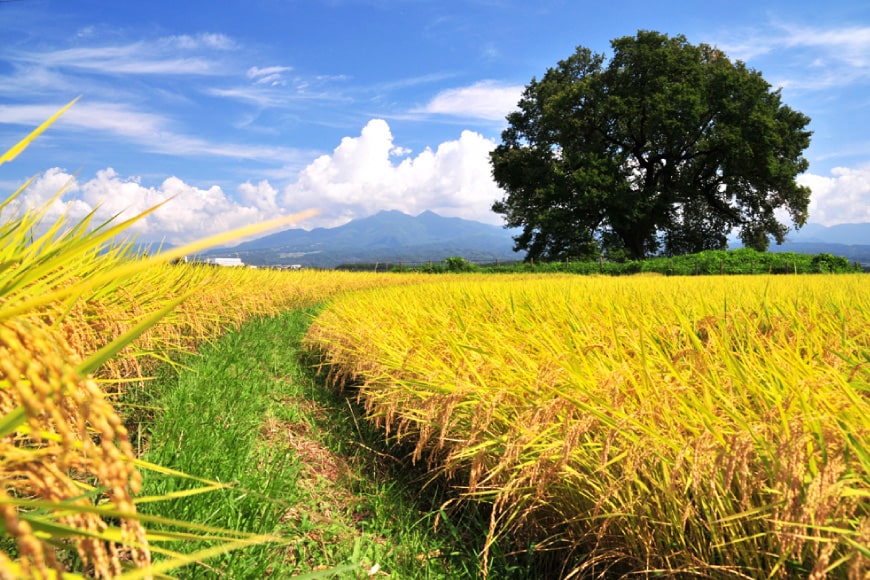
<point x="72" y="303"/>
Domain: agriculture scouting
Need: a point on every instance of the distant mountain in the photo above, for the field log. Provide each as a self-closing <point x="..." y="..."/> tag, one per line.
<point x="853" y="252"/>
<point x="386" y="237"/>
<point x="393" y="237"/>
<point x="851" y="241"/>
<point x="848" y="234"/>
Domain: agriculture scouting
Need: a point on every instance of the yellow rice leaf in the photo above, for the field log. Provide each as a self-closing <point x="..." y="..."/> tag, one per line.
<point x="15" y="570"/>
<point x="22" y="145"/>
<point x="12" y="420"/>
<point x="184" y="559"/>
<point x="142" y="464"/>
<point x="136" y="266"/>
<point x="97" y="359"/>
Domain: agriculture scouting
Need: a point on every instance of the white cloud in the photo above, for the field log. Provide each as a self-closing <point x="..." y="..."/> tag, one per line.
<point x="359" y="179"/>
<point x="255" y="94"/>
<point x="270" y="75"/>
<point x="147" y="129"/>
<point x="851" y="44"/>
<point x="270" y="87"/>
<point x="256" y="72"/>
<point x="399" y="151"/>
<point x="174" y="55"/>
<point x="844" y="197"/>
<point x="483" y="100"/>
<point x="410" y="82"/>
<point x="205" y="40"/>
<point x="262" y="196"/>
<point x="810" y="57"/>
<point x="45" y="187"/>
<point x="191" y="212"/>
<point x="136" y="58"/>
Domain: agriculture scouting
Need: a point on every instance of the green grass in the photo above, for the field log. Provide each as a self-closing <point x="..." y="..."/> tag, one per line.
<point x="302" y="464"/>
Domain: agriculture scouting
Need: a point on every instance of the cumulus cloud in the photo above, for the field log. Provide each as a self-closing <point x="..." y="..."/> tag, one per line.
<point x="262" y="196"/>
<point x="190" y="213"/>
<point x="842" y="197"/>
<point x="46" y="187"/>
<point x="486" y="100"/>
<point x="359" y="178"/>
<point x="363" y="175"/>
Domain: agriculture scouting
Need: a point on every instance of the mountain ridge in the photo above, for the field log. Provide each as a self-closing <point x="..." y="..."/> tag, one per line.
<point x="849" y="234"/>
<point x="391" y="236"/>
<point x="387" y="236"/>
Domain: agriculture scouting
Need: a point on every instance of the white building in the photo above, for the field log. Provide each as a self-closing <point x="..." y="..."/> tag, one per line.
<point x="230" y="262"/>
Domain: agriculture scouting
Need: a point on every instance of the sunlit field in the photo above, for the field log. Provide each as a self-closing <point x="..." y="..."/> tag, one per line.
<point x="703" y="425"/>
<point x="686" y="426"/>
<point x="714" y="426"/>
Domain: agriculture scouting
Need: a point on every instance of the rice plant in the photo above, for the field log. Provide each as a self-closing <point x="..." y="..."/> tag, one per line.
<point x="714" y="427"/>
<point x="78" y="312"/>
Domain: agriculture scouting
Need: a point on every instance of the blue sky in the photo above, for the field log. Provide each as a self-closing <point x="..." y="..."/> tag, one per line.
<point x="252" y="109"/>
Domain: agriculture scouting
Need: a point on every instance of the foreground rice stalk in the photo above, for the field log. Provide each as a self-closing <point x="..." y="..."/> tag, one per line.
<point x="70" y="305"/>
<point x="63" y="447"/>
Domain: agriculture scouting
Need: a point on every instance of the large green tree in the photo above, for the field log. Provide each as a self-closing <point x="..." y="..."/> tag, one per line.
<point x="664" y="147"/>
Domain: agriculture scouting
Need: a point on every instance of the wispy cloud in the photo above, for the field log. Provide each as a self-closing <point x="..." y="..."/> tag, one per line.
<point x="176" y="55"/>
<point x="270" y="75"/>
<point x="256" y="95"/>
<point x="154" y="65"/>
<point x="486" y="100"/>
<point x="148" y="130"/>
<point x="34" y="80"/>
<point x="270" y="87"/>
<point x="410" y="82"/>
<point x="93" y="66"/>
<point x="204" y="40"/>
<point x="811" y="57"/>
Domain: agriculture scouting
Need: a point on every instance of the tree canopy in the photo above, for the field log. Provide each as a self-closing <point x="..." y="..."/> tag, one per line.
<point x="666" y="147"/>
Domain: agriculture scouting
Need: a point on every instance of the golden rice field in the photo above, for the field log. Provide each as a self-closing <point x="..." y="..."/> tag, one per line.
<point x="713" y="426"/>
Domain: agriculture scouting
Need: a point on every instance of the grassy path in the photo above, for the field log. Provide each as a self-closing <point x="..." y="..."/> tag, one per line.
<point x="302" y="465"/>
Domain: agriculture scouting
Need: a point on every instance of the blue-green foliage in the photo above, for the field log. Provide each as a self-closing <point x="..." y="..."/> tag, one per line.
<point x="741" y="261"/>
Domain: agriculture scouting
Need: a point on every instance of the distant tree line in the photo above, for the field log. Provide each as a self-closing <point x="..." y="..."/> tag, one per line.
<point x="740" y="261"/>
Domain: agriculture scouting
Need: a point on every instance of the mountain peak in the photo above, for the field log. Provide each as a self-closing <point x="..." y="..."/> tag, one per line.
<point x="386" y="236"/>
